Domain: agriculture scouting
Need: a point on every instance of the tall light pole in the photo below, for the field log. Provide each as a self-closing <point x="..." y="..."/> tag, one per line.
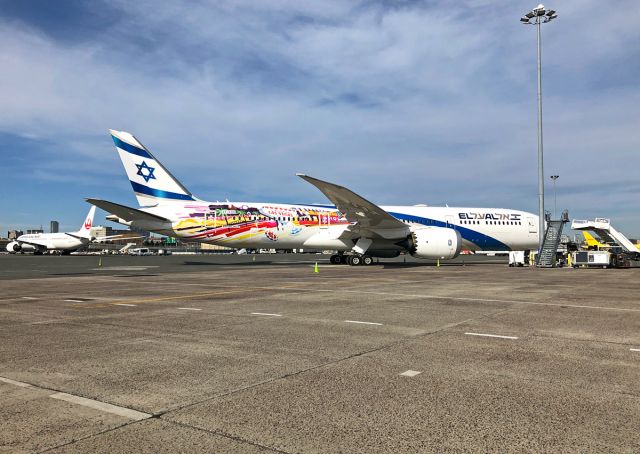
<point x="538" y="16"/>
<point x="555" y="200"/>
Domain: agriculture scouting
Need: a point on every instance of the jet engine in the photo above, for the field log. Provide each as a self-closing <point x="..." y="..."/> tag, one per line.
<point x="434" y="243"/>
<point x="14" y="247"/>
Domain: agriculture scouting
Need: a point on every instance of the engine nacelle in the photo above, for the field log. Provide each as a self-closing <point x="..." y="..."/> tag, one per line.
<point x="435" y="243"/>
<point x="14" y="247"/>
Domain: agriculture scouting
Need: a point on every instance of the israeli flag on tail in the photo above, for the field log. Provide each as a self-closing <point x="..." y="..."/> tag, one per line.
<point x="152" y="183"/>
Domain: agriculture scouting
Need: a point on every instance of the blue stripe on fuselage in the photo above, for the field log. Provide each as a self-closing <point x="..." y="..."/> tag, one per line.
<point x="479" y="239"/>
<point x="137" y="187"/>
<point x="130" y="148"/>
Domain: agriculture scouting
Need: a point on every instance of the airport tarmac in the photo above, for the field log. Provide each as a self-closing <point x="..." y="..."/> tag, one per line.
<point x="224" y="354"/>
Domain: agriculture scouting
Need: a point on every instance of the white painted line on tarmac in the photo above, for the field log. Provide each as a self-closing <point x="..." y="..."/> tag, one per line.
<point x="15" y="383"/>
<point x="125" y="304"/>
<point x="75" y="301"/>
<point x="491" y="335"/>
<point x="410" y="373"/>
<point x="189" y="309"/>
<point x="363" y="323"/>
<point x="266" y="313"/>
<point x="124" y="268"/>
<point x="635" y="349"/>
<point x="102" y="406"/>
<point x="28" y="297"/>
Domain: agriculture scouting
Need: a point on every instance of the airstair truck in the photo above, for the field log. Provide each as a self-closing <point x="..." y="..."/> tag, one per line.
<point x="623" y="254"/>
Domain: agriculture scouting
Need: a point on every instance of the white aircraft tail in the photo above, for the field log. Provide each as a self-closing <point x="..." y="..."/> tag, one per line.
<point x="151" y="181"/>
<point x="85" y="230"/>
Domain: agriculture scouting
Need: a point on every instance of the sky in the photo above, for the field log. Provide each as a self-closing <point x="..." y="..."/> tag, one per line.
<point x="404" y="102"/>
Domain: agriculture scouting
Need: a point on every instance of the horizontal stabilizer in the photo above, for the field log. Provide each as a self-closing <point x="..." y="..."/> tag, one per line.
<point x="125" y="212"/>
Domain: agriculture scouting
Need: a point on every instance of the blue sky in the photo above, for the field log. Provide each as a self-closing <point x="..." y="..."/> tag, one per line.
<point x="404" y="102"/>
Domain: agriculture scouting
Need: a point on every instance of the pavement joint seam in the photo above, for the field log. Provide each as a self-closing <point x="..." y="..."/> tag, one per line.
<point x="223" y="434"/>
<point x="326" y="364"/>
<point x="55" y="390"/>
<point x="96" y="434"/>
<point x="75" y="440"/>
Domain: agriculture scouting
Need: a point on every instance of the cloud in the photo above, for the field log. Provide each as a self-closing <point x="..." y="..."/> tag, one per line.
<point x="405" y="102"/>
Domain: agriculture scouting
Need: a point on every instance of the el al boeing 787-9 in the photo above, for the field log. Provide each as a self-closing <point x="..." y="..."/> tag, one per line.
<point x="351" y="225"/>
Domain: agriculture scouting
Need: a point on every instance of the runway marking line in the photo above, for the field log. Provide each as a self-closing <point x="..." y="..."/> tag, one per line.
<point x="90" y="306"/>
<point x="28" y="297"/>
<point x="75" y="301"/>
<point x="635" y="349"/>
<point x="89" y="403"/>
<point x="267" y="314"/>
<point x="189" y="309"/>
<point x="102" y="406"/>
<point x="124" y="304"/>
<point x="363" y="323"/>
<point x="16" y="383"/>
<point x="156" y="300"/>
<point x="410" y="373"/>
<point x="492" y="335"/>
<point x="194" y="295"/>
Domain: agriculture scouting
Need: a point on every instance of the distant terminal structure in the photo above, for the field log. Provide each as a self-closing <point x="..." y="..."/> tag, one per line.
<point x="13" y="234"/>
<point x="54" y="227"/>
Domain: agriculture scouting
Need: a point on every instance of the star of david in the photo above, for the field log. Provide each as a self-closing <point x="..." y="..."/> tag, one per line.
<point x="147" y="176"/>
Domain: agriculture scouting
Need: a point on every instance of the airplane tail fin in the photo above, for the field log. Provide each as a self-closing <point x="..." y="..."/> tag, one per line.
<point x="591" y="241"/>
<point x="151" y="181"/>
<point x="85" y="230"/>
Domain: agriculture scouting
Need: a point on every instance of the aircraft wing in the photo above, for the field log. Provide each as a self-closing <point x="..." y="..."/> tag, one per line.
<point x="77" y="237"/>
<point x="356" y="208"/>
<point x="125" y="212"/>
<point x="30" y="243"/>
<point x="119" y="236"/>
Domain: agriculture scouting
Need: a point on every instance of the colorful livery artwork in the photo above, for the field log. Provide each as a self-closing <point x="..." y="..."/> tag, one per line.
<point x="224" y="223"/>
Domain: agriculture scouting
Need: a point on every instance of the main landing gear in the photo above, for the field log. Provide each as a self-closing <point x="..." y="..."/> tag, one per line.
<point x="353" y="260"/>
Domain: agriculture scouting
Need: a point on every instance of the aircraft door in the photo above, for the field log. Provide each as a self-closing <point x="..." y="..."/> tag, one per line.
<point x="533" y="228"/>
<point x="450" y="221"/>
<point x="323" y="219"/>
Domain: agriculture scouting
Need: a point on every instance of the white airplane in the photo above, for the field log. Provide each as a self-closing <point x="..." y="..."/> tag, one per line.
<point x="64" y="242"/>
<point x="353" y="226"/>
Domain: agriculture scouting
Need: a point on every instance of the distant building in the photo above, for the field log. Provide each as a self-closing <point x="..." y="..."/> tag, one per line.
<point x="54" y="227"/>
<point x="100" y="231"/>
<point x="140" y="231"/>
<point x="13" y="234"/>
<point x="34" y="231"/>
<point x="119" y="235"/>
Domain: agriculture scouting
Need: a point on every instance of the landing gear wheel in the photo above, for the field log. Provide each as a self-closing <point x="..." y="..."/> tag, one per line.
<point x="336" y="259"/>
<point x="367" y="260"/>
<point x="354" y="260"/>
